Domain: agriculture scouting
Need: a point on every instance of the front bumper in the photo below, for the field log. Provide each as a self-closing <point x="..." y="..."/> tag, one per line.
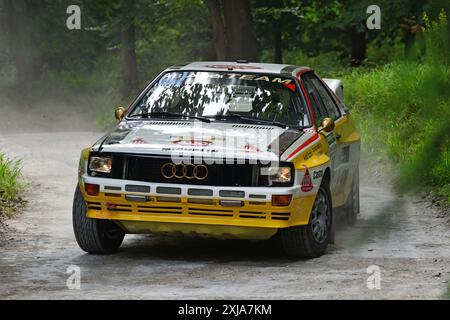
<point x="169" y="205"/>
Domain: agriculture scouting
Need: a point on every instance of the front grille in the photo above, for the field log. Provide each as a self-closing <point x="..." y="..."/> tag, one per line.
<point x="148" y="169"/>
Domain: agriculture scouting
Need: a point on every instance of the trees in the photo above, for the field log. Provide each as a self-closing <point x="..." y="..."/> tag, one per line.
<point x="220" y="38"/>
<point x="19" y="22"/>
<point x="129" y="41"/>
<point x="278" y="23"/>
<point x="234" y="35"/>
<point x="128" y="49"/>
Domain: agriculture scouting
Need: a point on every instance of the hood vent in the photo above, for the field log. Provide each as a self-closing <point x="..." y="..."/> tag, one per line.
<point x="169" y="123"/>
<point x="246" y="126"/>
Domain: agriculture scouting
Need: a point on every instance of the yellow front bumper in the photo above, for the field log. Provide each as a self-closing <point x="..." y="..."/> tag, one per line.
<point x="254" y="220"/>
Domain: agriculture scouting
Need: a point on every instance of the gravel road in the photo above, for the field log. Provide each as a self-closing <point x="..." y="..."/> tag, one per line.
<point x="405" y="237"/>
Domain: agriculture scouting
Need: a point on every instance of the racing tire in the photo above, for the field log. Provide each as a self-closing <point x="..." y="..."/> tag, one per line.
<point x="352" y="205"/>
<point x="311" y="241"/>
<point x="94" y="235"/>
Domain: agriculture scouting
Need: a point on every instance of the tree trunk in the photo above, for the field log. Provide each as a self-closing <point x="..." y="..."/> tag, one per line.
<point x="220" y="41"/>
<point x="239" y="25"/>
<point x="358" y="47"/>
<point x="278" y="52"/>
<point x="24" y="50"/>
<point x="129" y="64"/>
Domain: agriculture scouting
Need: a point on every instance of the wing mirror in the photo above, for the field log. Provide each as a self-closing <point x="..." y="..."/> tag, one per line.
<point x="120" y="113"/>
<point x="327" y="125"/>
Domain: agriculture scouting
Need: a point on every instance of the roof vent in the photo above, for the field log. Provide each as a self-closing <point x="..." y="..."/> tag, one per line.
<point x="241" y="61"/>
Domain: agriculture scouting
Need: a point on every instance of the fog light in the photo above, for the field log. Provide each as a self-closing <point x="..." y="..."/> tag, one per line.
<point x="92" y="189"/>
<point x="281" y="200"/>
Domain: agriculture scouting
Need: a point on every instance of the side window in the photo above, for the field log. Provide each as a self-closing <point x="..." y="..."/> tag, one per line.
<point x="327" y="100"/>
<point x="320" y="112"/>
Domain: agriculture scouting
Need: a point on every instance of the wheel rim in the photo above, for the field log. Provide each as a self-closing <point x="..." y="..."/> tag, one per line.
<point x="320" y="217"/>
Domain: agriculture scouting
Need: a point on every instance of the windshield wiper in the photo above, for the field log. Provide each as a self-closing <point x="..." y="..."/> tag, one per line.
<point x="164" y="114"/>
<point x="249" y="119"/>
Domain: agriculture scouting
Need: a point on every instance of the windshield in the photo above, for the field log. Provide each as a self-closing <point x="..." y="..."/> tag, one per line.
<point x="225" y="96"/>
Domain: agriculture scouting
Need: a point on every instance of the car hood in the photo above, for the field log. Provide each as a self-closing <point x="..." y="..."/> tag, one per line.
<point x="210" y="140"/>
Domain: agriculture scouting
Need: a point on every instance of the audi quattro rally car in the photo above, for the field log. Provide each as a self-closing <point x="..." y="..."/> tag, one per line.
<point x="226" y="150"/>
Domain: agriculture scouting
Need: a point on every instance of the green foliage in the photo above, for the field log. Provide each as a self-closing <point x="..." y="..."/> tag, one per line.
<point x="404" y="111"/>
<point x="10" y="185"/>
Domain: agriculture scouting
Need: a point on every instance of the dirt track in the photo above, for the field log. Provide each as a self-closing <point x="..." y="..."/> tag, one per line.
<point x="406" y="238"/>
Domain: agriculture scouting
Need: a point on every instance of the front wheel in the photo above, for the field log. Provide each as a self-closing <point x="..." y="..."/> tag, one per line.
<point x="94" y="235"/>
<point x="312" y="240"/>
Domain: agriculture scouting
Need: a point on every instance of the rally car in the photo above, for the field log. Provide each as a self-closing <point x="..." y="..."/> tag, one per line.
<point x="225" y="150"/>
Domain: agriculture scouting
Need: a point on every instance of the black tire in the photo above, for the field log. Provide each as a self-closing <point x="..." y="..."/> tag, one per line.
<point x="94" y="235"/>
<point x="301" y="241"/>
<point x="352" y="205"/>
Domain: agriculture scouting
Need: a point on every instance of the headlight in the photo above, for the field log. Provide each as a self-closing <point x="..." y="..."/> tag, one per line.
<point x="101" y="164"/>
<point x="279" y="174"/>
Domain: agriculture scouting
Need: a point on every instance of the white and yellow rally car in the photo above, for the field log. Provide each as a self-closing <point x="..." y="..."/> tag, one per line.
<point x="226" y="150"/>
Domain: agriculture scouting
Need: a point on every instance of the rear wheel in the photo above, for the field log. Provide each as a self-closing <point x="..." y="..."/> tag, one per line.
<point x="312" y="240"/>
<point x="94" y="235"/>
<point x="352" y="205"/>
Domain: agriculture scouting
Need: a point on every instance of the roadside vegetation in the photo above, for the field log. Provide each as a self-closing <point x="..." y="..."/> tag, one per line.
<point x="10" y="185"/>
<point x="403" y="109"/>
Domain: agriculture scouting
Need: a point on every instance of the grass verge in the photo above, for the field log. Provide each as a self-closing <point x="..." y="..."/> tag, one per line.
<point x="10" y="185"/>
<point x="403" y="110"/>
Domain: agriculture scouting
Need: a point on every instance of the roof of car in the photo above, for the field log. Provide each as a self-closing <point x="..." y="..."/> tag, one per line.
<point x="240" y="66"/>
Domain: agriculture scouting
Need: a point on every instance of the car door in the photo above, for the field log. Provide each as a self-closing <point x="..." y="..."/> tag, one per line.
<point x="348" y="142"/>
<point x="320" y="113"/>
<point x="344" y="140"/>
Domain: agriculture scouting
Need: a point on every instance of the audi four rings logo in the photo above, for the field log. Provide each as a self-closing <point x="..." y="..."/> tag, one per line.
<point x="181" y="171"/>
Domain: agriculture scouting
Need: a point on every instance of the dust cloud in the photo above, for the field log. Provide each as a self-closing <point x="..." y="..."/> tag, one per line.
<point x="53" y="110"/>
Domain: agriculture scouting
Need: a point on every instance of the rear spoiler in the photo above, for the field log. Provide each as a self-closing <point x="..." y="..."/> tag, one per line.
<point x="336" y="86"/>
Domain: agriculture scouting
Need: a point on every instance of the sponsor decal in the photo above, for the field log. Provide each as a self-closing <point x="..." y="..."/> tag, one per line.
<point x="308" y="154"/>
<point x="306" y="143"/>
<point x="138" y="141"/>
<point x="249" y="77"/>
<point x="251" y="148"/>
<point x="316" y="147"/>
<point x="306" y="184"/>
<point x="192" y="141"/>
<point x="317" y="174"/>
<point x="181" y="149"/>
